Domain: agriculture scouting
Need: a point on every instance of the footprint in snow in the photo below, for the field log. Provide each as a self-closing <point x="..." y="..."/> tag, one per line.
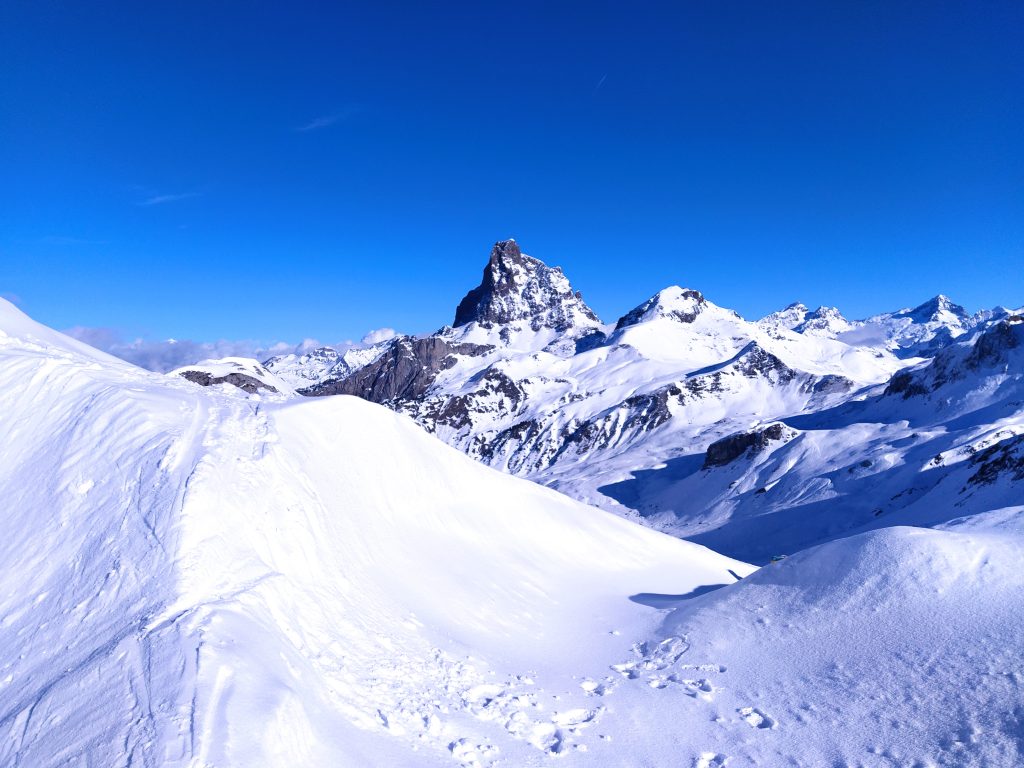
<point x="756" y="718"/>
<point x="710" y="760"/>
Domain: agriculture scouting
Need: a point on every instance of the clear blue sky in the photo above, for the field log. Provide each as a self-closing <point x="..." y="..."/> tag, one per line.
<point x="281" y="170"/>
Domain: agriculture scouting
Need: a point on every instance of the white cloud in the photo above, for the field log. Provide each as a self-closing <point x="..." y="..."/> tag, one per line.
<point x="161" y="199"/>
<point x="163" y="356"/>
<point x="325" y="121"/>
<point x="319" y="122"/>
<point x="378" y="335"/>
<point x="168" y="354"/>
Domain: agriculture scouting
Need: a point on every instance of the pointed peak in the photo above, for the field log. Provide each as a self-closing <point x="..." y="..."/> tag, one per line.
<point x="825" y="313"/>
<point x="935" y="305"/>
<point x="680" y="304"/>
<point x="790" y="317"/>
<point x="823" y="321"/>
<point x="519" y="288"/>
<point x="505" y="249"/>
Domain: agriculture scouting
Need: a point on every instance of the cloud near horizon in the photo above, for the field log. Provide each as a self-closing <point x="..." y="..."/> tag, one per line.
<point x="164" y="356"/>
<point x="378" y="335"/>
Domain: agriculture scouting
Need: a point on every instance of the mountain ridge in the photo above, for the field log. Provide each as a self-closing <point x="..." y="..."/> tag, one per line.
<point x="529" y="383"/>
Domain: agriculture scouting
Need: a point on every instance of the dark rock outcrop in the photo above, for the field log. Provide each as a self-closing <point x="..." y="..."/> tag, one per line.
<point x="760" y="362"/>
<point x="1005" y="460"/>
<point x="905" y="383"/>
<point x="728" y="449"/>
<point x="404" y="371"/>
<point x="244" y="382"/>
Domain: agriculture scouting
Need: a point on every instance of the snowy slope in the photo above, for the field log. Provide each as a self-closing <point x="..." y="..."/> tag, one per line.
<point x="196" y="578"/>
<point x="939" y="441"/>
<point x="893" y="648"/>
<point x="192" y="577"/>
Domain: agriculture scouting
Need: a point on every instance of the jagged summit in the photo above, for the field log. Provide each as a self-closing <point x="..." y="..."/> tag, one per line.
<point x="680" y="304"/>
<point x="825" y="321"/>
<point x="934" y="310"/>
<point x="519" y="288"/>
<point x="790" y="317"/>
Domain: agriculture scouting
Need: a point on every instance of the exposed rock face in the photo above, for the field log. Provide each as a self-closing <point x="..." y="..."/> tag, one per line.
<point x="824" y="321"/>
<point x="520" y="288"/>
<point x="757" y="361"/>
<point x="992" y="346"/>
<point x="1005" y="459"/>
<point x="991" y="351"/>
<point x="495" y="395"/>
<point x="242" y="381"/>
<point x="728" y="449"/>
<point x="790" y="317"/>
<point x="680" y="304"/>
<point x="905" y="383"/>
<point x="405" y="370"/>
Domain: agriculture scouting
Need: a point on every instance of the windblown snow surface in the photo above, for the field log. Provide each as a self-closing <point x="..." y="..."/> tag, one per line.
<point x="194" y="577"/>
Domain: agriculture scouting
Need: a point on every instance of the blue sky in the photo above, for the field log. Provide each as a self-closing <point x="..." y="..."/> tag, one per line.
<point x="286" y="170"/>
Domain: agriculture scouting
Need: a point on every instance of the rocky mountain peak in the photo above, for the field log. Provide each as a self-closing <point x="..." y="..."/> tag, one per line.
<point x="938" y="308"/>
<point x="823" y="321"/>
<point x="680" y="304"/>
<point x="790" y="317"/>
<point x="519" y="288"/>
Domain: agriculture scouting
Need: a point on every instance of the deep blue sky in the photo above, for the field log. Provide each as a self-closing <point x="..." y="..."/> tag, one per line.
<point x="281" y="170"/>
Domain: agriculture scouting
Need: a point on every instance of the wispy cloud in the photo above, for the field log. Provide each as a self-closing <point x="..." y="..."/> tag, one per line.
<point x="161" y="199"/>
<point x="319" y="122"/>
<point x="326" y="121"/>
<point x="599" y="84"/>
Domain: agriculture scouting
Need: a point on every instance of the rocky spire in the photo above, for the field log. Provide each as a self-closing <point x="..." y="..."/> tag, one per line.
<point x="517" y="288"/>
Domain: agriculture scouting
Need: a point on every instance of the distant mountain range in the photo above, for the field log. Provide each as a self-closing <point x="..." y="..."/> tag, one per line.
<point x="821" y="425"/>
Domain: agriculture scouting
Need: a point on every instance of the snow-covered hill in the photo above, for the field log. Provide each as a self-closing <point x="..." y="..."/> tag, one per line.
<point x="202" y="576"/>
<point x="192" y="577"/>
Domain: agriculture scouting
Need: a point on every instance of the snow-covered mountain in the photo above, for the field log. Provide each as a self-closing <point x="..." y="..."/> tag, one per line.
<point x="620" y="415"/>
<point x="823" y="321"/>
<point x="939" y="441"/>
<point x="213" y="576"/>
